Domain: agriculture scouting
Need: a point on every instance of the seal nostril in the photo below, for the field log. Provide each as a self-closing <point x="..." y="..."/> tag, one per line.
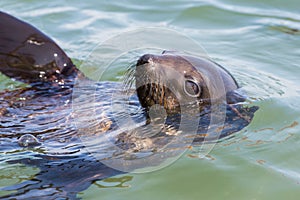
<point x="144" y="59"/>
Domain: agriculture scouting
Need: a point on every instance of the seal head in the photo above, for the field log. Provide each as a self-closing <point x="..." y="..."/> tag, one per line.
<point x="173" y="80"/>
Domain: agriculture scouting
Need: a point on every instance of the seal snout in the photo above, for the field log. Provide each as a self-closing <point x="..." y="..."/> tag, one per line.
<point x="147" y="58"/>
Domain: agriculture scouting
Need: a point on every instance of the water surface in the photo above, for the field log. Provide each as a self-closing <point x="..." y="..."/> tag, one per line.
<point x="257" y="41"/>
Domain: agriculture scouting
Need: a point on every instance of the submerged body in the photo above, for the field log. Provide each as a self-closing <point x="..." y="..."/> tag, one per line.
<point x="178" y="84"/>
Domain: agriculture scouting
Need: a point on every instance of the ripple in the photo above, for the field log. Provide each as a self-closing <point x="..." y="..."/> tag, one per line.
<point x="47" y="11"/>
<point x="267" y="12"/>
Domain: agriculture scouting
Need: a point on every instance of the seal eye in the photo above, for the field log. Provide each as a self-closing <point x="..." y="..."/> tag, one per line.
<point x="191" y="88"/>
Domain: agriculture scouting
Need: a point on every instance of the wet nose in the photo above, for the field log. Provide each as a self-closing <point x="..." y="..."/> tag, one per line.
<point x="144" y="59"/>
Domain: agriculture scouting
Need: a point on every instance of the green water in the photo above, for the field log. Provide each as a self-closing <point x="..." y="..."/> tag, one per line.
<point x="257" y="41"/>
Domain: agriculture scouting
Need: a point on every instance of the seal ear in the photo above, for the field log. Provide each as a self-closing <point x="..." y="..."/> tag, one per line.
<point x="28" y="55"/>
<point x="235" y="96"/>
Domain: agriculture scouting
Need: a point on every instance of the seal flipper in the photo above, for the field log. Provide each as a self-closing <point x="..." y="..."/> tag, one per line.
<point x="28" y="55"/>
<point x="59" y="177"/>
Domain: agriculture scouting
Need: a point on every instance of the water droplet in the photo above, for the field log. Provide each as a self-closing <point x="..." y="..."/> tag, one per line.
<point x="28" y="140"/>
<point x="62" y="140"/>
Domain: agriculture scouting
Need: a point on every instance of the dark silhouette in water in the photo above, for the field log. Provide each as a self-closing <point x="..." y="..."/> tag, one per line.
<point x="37" y="126"/>
<point x="60" y="177"/>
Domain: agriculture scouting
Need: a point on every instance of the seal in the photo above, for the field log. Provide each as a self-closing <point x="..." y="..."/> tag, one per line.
<point x="171" y="86"/>
<point x="40" y="115"/>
